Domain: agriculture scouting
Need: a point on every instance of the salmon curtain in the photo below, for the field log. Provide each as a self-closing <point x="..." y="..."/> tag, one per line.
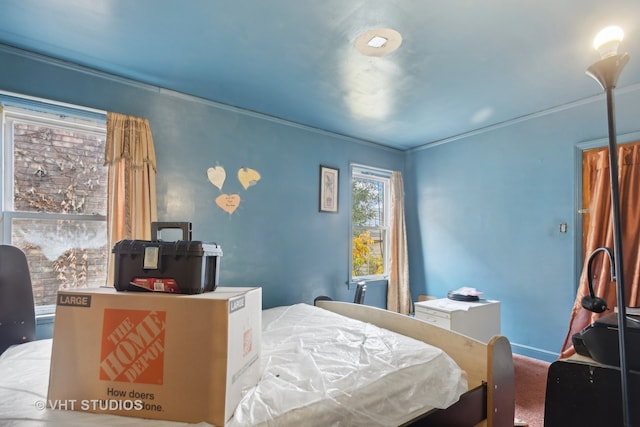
<point x="600" y="233"/>
<point x="398" y="292"/>
<point x="131" y="182"/>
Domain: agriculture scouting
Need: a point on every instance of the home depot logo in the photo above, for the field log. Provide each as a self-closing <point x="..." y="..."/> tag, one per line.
<point x="132" y="346"/>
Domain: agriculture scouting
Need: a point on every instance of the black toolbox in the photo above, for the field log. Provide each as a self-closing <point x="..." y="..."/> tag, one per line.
<point x="182" y="266"/>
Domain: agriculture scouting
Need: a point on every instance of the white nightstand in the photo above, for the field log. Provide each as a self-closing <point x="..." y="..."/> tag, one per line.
<point x="479" y="320"/>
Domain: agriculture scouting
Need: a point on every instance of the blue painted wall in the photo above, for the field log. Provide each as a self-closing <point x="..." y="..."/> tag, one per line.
<point x="485" y="211"/>
<point x="277" y="238"/>
<point x="482" y="210"/>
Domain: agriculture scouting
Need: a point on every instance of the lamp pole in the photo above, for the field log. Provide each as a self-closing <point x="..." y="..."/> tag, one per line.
<point x="606" y="72"/>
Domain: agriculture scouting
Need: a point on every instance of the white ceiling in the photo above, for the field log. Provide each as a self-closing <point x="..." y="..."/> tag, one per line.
<point x="462" y="65"/>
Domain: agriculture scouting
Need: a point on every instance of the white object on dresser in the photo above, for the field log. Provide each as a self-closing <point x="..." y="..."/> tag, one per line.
<point x="479" y="320"/>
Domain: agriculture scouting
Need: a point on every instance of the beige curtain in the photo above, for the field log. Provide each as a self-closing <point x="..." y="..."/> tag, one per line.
<point x="398" y="292"/>
<point x="131" y="160"/>
<point x="600" y="233"/>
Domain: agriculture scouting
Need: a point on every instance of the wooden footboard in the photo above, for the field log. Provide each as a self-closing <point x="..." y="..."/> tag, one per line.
<point x="489" y="367"/>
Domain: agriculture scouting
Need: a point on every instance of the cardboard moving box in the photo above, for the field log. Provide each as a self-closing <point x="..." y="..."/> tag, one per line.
<point x="153" y="355"/>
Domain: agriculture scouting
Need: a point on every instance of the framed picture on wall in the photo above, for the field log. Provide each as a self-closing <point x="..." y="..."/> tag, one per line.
<point x="329" y="179"/>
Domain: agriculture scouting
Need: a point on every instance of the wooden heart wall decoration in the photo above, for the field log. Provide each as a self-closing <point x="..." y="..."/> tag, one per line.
<point x="230" y="202"/>
<point x="248" y="177"/>
<point x="217" y="176"/>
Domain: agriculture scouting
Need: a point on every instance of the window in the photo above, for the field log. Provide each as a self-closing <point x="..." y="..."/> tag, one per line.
<point x="370" y="212"/>
<point x="54" y="195"/>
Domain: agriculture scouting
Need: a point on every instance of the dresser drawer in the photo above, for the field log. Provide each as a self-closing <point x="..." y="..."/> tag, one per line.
<point x="430" y="312"/>
<point x="436" y="320"/>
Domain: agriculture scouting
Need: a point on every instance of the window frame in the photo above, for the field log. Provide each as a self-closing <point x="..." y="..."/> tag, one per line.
<point x="25" y="109"/>
<point x="384" y="176"/>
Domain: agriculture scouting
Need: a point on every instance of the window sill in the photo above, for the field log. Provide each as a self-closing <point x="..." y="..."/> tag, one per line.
<point x="44" y="311"/>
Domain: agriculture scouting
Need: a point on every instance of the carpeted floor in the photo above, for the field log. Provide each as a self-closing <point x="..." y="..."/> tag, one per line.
<point x="531" y="384"/>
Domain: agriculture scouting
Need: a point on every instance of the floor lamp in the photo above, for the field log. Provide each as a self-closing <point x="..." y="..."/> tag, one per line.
<point x="606" y="72"/>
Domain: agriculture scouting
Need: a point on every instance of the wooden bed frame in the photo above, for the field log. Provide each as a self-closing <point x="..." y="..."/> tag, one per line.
<point x="490" y="400"/>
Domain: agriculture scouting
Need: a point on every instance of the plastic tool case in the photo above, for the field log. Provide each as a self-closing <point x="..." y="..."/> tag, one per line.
<point x="182" y="266"/>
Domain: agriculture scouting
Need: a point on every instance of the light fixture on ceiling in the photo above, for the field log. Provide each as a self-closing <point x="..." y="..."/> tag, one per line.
<point x="378" y="42"/>
<point x="606" y="72"/>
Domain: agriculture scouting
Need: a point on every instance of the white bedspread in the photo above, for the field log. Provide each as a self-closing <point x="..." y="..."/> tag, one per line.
<point x="24" y="379"/>
<point x="367" y="377"/>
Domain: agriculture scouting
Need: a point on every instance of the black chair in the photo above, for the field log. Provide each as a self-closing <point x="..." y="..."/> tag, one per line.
<point x="361" y="288"/>
<point x="17" y="309"/>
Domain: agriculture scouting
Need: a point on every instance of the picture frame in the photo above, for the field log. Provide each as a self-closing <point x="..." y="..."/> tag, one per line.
<point x="329" y="183"/>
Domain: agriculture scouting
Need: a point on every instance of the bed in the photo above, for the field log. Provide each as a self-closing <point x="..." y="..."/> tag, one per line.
<point x="377" y="370"/>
